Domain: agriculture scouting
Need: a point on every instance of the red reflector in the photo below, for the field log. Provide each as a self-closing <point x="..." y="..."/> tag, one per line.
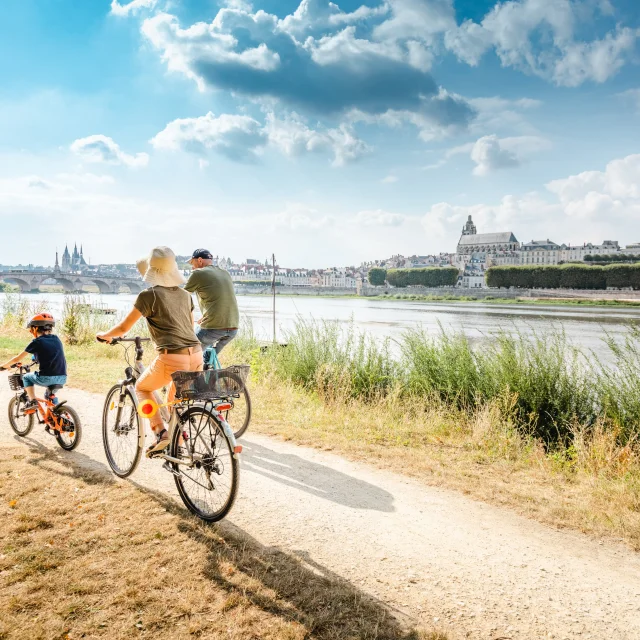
<point x="223" y="407"/>
<point x="237" y="448"/>
<point x="147" y="409"/>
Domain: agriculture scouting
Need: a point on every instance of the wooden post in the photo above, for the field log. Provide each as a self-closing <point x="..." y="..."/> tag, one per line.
<point x="273" y="291"/>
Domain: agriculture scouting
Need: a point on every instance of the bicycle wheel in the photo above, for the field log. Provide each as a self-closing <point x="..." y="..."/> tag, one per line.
<point x="239" y="415"/>
<point x="121" y="431"/>
<point x="208" y="485"/>
<point x="69" y="437"/>
<point x="20" y="423"/>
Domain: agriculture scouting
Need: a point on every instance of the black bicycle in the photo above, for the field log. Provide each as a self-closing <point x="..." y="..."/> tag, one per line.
<point x="202" y="454"/>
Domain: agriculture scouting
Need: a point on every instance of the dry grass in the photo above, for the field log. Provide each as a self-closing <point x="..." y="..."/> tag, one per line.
<point x="83" y="556"/>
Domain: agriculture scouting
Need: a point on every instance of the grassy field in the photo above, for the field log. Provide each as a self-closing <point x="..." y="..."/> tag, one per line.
<point x="84" y="556"/>
<point x="526" y="423"/>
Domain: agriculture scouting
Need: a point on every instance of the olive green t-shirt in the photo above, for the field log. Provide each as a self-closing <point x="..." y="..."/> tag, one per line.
<point x="168" y="311"/>
<point x="216" y="296"/>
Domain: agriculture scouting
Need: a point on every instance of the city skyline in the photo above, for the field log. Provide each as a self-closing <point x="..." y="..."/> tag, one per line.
<point x="326" y="133"/>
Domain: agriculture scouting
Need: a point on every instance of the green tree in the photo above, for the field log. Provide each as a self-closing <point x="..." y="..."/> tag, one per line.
<point x="377" y="276"/>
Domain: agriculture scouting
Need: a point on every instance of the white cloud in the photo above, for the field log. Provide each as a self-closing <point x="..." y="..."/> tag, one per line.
<point x="133" y="7"/>
<point x="390" y="179"/>
<point x="240" y="137"/>
<point x="602" y="202"/>
<point x="416" y="19"/>
<point x="491" y="153"/>
<point x="516" y="28"/>
<point x="313" y="16"/>
<point x="237" y="137"/>
<point x="99" y="148"/>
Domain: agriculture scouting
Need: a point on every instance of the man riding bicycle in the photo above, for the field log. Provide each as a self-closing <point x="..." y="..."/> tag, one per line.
<point x="217" y="298"/>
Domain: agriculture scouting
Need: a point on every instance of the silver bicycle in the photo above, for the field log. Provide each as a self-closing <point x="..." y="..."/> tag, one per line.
<point x="202" y="455"/>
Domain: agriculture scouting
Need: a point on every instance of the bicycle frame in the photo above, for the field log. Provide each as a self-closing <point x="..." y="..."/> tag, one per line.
<point x="44" y="409"/>
<point x="169" y="416"/>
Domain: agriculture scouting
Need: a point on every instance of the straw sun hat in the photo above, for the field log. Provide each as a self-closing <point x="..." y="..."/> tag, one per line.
<point x="160" y="268"/>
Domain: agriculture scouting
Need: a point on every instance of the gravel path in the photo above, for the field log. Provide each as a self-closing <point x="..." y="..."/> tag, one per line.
<point x="467" y="568"/>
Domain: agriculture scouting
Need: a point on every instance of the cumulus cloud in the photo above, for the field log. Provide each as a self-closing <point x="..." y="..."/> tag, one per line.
<point x="132" y="7"/>
<point x="99" y="148"/>
<point x="540" y="37"/>
<point x="602" y="201"/>
<point x="318" y="16"/>
<point x="330" y="73"/>
<point x="598" y="194"/>
<point x="241" y="137"/>
<point x="237" y="137"/>
<point x="491" y="153"/>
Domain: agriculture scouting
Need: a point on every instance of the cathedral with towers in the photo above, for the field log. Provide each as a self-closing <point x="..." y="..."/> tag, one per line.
<point x="71" y="262"/>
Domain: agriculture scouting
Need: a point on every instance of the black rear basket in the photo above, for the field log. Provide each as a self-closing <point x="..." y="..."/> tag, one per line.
<point x="212" y="384"/>
<point x="15" y="382"/>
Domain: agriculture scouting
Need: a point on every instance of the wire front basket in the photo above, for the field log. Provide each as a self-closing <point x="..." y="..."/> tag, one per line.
<point x="15" y="382"/>
<point x="212" y="384"/>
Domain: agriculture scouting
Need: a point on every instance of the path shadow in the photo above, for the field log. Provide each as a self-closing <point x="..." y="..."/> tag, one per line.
<point x="76" y="464"/>
<point x="290" y="585"/>
<point x="317" y="479"/>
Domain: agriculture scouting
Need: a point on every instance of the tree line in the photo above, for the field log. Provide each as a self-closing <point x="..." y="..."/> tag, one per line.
<point x="614" y="257"/>
<point x="566" y="276"/>
<point x="427" y="277"/>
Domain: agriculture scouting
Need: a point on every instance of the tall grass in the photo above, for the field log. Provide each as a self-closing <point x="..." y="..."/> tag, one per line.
<point x="76" y="326"/>
<point x="547" y="387"/>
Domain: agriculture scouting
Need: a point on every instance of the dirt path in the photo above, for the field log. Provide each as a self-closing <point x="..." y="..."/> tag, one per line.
<point x="467" y="568"/>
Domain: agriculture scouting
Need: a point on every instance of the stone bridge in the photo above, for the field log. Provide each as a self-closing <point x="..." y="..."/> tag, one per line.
<point x="32" y="280"/>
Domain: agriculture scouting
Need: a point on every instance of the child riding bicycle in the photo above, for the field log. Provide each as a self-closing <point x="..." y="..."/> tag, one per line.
<point x="46" y="350"/>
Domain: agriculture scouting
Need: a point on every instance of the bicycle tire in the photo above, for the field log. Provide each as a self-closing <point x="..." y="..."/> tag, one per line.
<point x="238" y="431"/>
<point x="122" y="471"/>
<point x="77" y="429"/>
<point x="13" y="417"/>
<point x="180" y="474"/>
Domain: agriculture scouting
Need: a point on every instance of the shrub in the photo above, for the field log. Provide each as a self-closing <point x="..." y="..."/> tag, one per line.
<point x="428" y="277"/>
<point x="377" y="276"/>
<point x="566" y="276"/>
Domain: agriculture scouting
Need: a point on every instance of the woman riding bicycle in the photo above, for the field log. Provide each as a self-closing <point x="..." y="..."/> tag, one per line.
<point x="168" y="310"/>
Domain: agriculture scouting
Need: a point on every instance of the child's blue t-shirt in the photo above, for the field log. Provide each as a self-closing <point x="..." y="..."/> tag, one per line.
<point x="49" y="354"/>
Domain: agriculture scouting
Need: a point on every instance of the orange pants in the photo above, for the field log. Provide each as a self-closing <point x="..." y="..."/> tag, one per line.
<point x="159" y="374"/>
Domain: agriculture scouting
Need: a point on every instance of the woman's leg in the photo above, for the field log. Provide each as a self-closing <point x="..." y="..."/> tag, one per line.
<point x="154" y="377"/>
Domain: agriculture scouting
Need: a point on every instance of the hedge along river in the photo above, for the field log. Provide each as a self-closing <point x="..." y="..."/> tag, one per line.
<point x="583" y="326"/>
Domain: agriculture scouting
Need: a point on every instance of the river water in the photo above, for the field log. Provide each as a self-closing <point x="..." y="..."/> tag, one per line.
<point x="584" y="326"/>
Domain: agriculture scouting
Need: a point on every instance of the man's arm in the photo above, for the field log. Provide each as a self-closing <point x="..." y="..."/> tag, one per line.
<point x="23" y="357"/>
<point x="192" y="283"/>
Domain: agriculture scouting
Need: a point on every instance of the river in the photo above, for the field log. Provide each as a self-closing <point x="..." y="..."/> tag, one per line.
<point x="584" y="326"/>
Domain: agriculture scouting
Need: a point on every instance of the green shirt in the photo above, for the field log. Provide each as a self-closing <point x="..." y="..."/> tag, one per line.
<point x="216" y="297"/>
<point x="168" y="311"/>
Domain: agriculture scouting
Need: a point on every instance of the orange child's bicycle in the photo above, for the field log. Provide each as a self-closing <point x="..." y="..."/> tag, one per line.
<point x="58" y="418"/>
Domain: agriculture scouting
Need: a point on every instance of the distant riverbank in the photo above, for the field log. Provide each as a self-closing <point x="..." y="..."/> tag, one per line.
<point x="461" y="298"/>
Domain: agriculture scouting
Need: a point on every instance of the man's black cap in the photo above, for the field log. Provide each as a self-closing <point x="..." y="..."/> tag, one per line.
<point x="202" y="253"/>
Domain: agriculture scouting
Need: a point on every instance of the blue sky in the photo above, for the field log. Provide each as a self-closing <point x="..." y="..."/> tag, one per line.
<point x="326" y="133"/>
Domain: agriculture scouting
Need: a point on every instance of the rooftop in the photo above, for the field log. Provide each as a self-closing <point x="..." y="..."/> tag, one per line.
<point x="488" y="238"/>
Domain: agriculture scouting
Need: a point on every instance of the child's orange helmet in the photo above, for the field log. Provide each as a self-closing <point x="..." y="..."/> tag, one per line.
<point x="41" y="320"/>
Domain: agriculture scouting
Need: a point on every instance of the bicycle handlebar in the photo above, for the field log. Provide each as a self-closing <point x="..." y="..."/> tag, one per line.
<point x="117" y="340"/>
